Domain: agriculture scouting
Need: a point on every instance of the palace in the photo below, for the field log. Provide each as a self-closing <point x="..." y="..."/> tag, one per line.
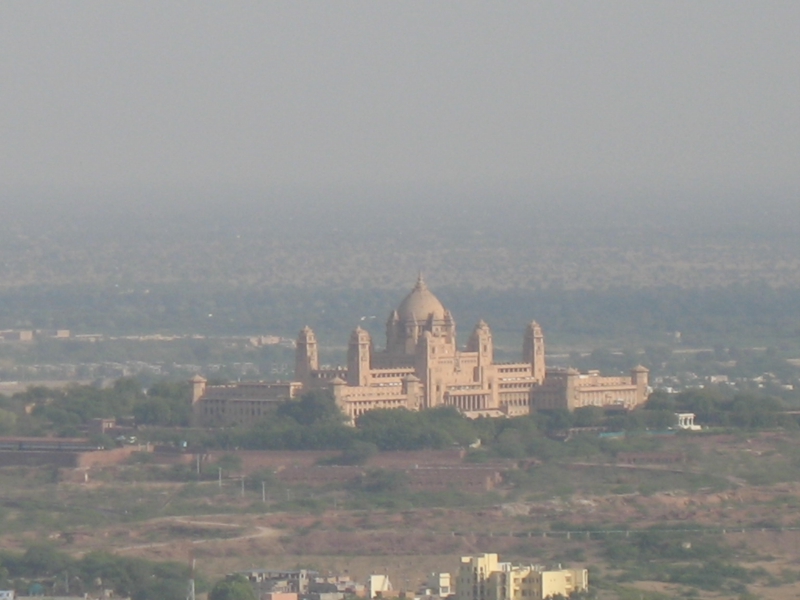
<point x="422" y="367"/>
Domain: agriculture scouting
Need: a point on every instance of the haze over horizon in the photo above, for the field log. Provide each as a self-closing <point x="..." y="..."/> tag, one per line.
<point x="581" y="105"/>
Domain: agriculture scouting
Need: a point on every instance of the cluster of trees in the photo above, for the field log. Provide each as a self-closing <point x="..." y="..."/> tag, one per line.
<point x="723" y="407"/>
<point x="699" y="561"/>
<point x="42" y="411"/>
<point x="43" y="569"/>
<point x="234" y="587"/>
<point x="315" y="423"/>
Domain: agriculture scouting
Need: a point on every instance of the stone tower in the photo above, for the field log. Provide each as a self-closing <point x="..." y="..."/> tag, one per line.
<point x="533" y="350"/>
<point x="481" y="342"/>
<point x="359" y="351"/>
<point x="640" y="378"/>
<point x="306" y="357"/>
<point x="198" y="384"/>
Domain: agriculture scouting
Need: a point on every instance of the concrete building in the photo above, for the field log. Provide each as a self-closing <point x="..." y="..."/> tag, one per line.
<point x="24" y="335"/>
<point x="379" y="586"/>
<point x="439" y="585"/>
<point x="281" y="582"/>
<point x="484" y="577"/>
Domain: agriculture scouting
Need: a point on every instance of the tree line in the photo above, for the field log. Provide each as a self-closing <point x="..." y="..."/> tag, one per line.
<point x="314" y="422"/>
<point x="42" y="569"/>
<point x="42" y="411"/>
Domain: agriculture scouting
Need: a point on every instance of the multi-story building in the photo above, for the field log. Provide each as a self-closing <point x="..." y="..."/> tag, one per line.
<point x="238" y="403"/>
<point x="422" y="367"/>
<point x="571" y="389"/>
<point x="378" y="585"/>
<point x="439" y="585"/>
<point x="484" y="577"/>
<point x="297" y="581"/>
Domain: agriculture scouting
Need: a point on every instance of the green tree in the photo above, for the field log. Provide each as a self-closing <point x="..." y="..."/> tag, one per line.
<point x="357" y="453"/>
<point x="152" y="411"/>
<point x="230" y="462"/>
<point x="7" y="421"/>
<point x="383" y="481"/>
<point x="112" y="571"/>
<point x="236" y="587"/>
<point x="167" y="403"/>
<point x="510" y="444"/>
<point x="588" y="416"/>
<point x="396" y="429"/>
<point x="659" y="419"/>
<point x="400" y="429"/>
<point x="161" y="589"/>
<point x="557" y="420"/>
<point x="313" y="407"/>
<point x="661" y="400"/>
<point x="42" y="560"/>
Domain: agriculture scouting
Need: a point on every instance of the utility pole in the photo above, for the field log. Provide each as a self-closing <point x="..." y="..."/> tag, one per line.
<point x="264" y="492"/>
<point x="198" y="466"/>
<point x="220" y="476"/>
<point x="190" y="590"/>
<point x="242" y="486"/>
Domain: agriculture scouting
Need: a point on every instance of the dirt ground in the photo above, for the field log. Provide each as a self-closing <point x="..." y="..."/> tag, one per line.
<point x="226" y="532"/>
<point x="407" y="545"/>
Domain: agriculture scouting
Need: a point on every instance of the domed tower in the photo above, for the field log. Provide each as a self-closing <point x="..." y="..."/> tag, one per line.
<point x="419" y="312"/>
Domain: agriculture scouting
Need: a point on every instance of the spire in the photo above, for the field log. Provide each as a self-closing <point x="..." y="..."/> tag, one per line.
<point x="420" y="282"/>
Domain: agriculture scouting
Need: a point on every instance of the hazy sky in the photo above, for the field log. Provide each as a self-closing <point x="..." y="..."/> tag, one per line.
<point x="537" y="95"/>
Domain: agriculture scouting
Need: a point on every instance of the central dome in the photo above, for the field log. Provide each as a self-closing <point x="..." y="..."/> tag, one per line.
<point x="420" y="304"/>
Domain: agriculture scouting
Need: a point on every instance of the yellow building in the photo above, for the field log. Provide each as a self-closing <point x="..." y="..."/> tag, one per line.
<point x="484" y="577"/>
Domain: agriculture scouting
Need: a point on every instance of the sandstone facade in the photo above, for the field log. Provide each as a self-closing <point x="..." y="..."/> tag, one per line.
<point x="422" y="367"/>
